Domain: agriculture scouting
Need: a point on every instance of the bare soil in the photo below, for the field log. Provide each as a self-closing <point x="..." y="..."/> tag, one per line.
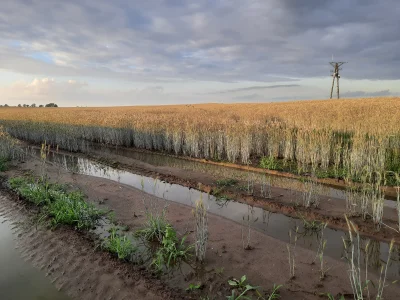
<point x="69" y="259"/>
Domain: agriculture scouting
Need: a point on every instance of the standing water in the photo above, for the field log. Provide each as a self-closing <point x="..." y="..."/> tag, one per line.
<point x="18" y="279"/>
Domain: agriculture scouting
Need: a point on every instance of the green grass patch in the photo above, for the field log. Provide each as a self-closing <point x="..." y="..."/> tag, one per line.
<point x="60" y="206"/>
<point x="270" y="163"/>
<point x="119" y="245"/>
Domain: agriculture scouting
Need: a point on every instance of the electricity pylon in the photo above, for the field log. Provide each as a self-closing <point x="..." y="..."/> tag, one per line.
<point x="335" y="74"/>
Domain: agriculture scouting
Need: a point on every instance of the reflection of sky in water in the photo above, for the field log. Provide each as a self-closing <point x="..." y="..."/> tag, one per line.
<point x="18" y="279"/>
<point x="221" y="171"/>
<point x="273" y="224"/>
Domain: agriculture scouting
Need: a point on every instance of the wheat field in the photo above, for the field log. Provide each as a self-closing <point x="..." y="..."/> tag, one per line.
<point x="362" y="114"/>
<point x="357" y="140"/>
<point x="306" y="131"/>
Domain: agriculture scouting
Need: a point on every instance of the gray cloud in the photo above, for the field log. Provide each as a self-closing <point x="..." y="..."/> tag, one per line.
<point x="254" y="88"/>
<point x="223" y="40"/>
<point x="367" y="94"/>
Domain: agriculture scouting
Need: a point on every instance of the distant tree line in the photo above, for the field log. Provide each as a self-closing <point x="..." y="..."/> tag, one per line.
<point x="32" y="105"/>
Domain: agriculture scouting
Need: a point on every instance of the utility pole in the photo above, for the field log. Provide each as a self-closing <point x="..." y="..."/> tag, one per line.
<point x="335" y="74"/>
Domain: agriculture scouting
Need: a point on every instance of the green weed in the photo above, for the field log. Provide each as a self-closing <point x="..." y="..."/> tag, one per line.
<point x="242" y="287"/>
<point x="61" y="207"/>
<point x="270" y="163"/>
<point x="154" y="229"/>
<point x="193" y="287"/>
<point x="71" y="209"/>
<point x="331" y="297"/>
<point x="171" y="250"/>
<point x="119" y="245"/>
<point x="275" y="292"/>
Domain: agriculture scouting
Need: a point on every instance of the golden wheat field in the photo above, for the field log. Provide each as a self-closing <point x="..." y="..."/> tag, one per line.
<point x="357" y="140"/>
<point x="362" y="114"/>
<point x="347" y="133"/>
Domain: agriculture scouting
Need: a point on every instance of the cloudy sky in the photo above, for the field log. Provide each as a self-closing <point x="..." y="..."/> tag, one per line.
<point x="134" y="52"/>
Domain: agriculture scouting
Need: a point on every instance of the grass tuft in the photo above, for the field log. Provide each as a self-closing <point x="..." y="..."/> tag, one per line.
<point x="118" y="245"/>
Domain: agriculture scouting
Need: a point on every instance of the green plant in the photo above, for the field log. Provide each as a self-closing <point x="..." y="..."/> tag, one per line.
<point x="242" y="287"/>
<point x="275" y="292"/>
<point x="154" y="228"/>
<point x="171" y="250"/>
<point x="331" y="297"/>
<point x="193" y="287"/>
<point x="313" y="225"/>
<point x="119" y="245"/>
<point x="61" y="207"/>
<point x="269" y="162"/>
<point x="71" y="209"/>
<point x="238" y="283"/>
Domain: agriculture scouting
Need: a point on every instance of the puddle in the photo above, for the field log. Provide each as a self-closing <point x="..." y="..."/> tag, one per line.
<point x="273" y="224"/>
<point x="18" y="279"/>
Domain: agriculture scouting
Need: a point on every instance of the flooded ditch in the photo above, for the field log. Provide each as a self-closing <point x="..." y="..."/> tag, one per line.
<point x="19" y="279"/>
<point x="272" y="224"/>
<point x="218" y="171"/>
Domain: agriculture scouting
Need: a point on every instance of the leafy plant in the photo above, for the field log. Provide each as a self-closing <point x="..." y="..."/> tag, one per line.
<point x="61" y="207"/>
<point x="269" y="162"/>
<point x="239" y="284"/>
<point x="193" y="287"/>
<point x="171" y="250"/>
<point x="155" y="227"/>
<point x="119" y="245"/>
<point x="275" y="292"/>
<point x="331" y="297"/>
<point x="242" y="287"/>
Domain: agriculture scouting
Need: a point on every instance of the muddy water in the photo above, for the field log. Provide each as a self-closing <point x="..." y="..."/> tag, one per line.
<point x="157" y="159"/>
<point x="272" y="224"/>
<point x="18" y="279"/>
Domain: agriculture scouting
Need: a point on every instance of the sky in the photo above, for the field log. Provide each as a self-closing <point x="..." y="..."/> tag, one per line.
<point x="134" y="52"/>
